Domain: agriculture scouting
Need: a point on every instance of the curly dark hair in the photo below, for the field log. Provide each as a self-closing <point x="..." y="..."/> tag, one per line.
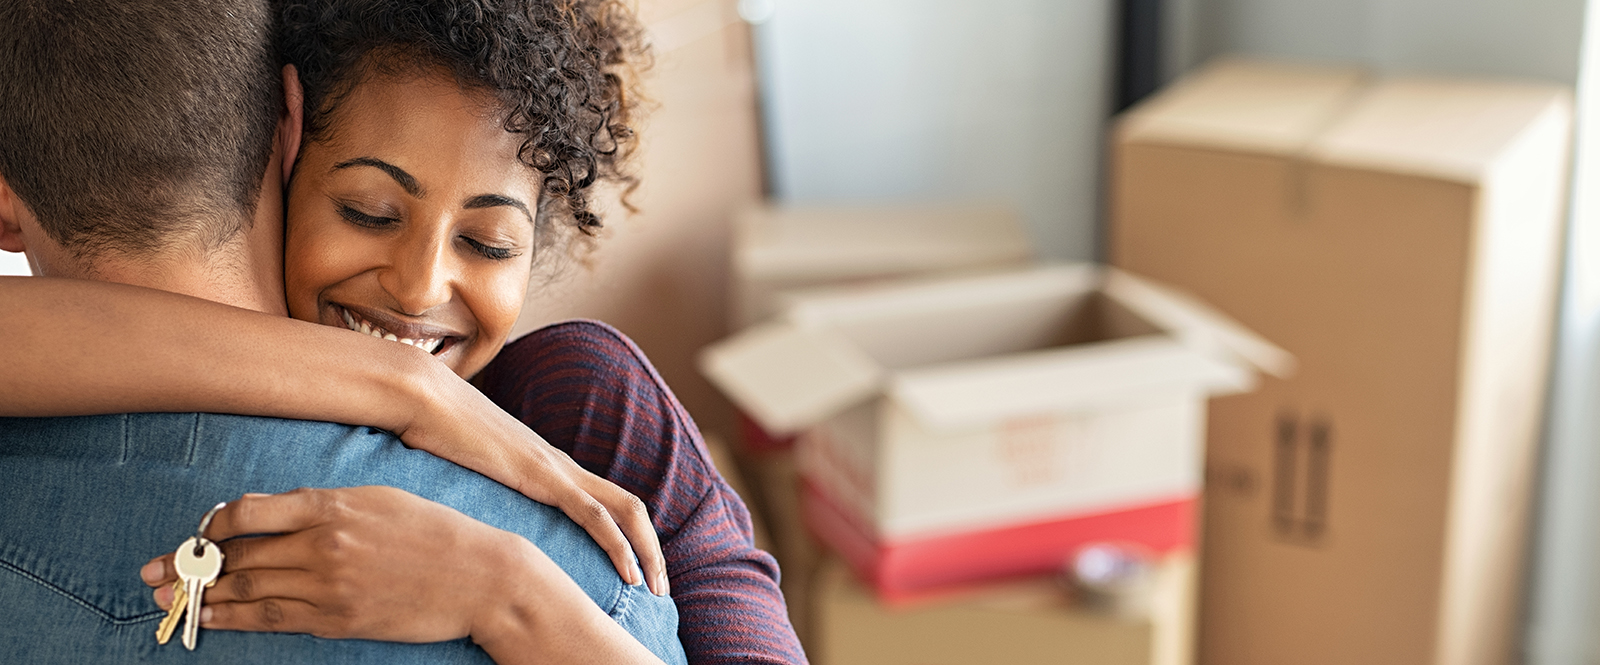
<point x="562" y="71"/>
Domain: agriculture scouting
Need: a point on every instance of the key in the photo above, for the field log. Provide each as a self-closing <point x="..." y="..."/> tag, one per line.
<point x="199" y="562"/>
<point x="180" y="604"/>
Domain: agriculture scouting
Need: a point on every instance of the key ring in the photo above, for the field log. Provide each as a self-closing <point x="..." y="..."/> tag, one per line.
<point x="200" y="533"/>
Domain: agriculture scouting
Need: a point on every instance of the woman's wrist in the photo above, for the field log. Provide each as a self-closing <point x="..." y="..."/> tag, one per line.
<point x="422" y="393"/>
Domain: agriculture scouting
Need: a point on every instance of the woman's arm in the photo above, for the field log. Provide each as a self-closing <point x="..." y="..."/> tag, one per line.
<point x="379" y="563"/>
<point x="75" y="347"/>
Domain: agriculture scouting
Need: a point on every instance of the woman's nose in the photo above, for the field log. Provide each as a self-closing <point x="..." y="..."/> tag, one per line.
<point x="420" y="274"/>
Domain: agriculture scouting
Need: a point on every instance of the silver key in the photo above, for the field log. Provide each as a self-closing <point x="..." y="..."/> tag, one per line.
<point x="199" y="562"/>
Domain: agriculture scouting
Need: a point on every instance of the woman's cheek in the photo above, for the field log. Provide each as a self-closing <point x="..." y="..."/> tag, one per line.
<point x="320" y="255"/>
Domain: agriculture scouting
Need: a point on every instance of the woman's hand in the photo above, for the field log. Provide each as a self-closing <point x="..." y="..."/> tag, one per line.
<point x="460" y="424"/>
<point x="380" y="563"/>
<point x="367" y="562"/>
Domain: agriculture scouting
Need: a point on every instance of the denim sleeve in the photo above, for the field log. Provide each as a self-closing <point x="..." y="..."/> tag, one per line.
<point x="89" y="500"/>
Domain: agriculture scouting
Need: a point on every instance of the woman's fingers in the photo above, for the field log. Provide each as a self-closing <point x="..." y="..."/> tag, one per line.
<point x="596" y="519"/>
<point x="261" y="584"/>
<point x="289" y="550"/>
<point x="280" y="615"/>
<point x="603" y="509"/>
<point x="297" y="510"/>
<point x="159" y="572"/>
<point x="634" y="521"/>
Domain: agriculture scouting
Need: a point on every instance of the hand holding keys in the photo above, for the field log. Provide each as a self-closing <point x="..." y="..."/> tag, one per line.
<point x="198" y="562"/>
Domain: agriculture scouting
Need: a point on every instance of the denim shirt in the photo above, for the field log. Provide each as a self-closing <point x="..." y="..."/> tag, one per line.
<point x="84" y="502"/>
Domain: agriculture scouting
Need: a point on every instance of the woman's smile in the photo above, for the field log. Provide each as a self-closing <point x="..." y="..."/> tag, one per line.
<point x="425" y="337"/>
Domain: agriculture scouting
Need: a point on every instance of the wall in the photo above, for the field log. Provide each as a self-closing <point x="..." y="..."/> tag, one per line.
<point x="941" y="100"/>
<point x="1518" y="38"/>
<point x="13" y="264"/>
<point x="1565" y="607"/>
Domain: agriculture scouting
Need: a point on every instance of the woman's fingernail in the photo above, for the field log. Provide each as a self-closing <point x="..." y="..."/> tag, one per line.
<point x="205" y="615"/>
<point x="152" y="572"/>
<point x="661" y="585"/>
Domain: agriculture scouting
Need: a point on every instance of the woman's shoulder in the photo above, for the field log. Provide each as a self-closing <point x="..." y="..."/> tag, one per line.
<point x="575" y="340"/>
<point x="590" y="391"/>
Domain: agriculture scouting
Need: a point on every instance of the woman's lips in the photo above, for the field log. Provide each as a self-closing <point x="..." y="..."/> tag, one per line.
<point x="427" y="340"/>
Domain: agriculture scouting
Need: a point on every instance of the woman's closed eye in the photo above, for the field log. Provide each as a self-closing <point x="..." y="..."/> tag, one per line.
<point x="363" y="219"/>
<point x="491" y="251"/>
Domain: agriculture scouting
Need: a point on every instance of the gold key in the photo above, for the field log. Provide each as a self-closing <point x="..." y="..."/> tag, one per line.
<point x="180" y="603"/>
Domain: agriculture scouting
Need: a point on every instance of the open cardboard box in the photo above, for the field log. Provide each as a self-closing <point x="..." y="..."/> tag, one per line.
<point x="781" y="248"/>
<point x="942" y="408"/>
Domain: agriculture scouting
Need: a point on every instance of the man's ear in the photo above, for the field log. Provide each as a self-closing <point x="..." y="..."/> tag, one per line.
<point x="292" y="122"/>
<point x="11" y="211"/>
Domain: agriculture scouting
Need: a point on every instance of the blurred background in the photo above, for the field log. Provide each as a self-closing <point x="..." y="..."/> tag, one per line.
<point x="1364" y="228"/>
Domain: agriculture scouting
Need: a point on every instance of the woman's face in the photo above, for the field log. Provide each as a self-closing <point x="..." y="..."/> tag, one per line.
<point x="413" y="221"/>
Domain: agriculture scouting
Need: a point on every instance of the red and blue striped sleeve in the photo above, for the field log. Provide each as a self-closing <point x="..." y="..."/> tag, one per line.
<point x="588" y="390"/>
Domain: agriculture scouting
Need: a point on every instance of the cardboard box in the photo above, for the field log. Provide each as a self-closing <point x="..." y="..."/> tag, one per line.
<point x="947" y="406"/>
<point x="1400" y="238"/>
<point x="1026" y="622"/>
<point x="780" y="248"/>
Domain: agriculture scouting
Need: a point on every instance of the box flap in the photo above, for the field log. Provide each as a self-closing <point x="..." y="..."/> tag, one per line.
<point x="1086" y="377"/>
<point x="1453" y="130"/>
<point x="807" y="244"/>
<point x="1196" y="324"/>
<point x="1262" y="107"/>
<point x="788" y="377"/>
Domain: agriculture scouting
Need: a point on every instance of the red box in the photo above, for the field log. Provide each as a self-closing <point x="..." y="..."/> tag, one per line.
<point x="757" y="439"/>
<point x="912" y="570"/>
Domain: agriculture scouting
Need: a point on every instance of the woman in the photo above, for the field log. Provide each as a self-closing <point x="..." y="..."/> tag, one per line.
<point x="442" y="147"/>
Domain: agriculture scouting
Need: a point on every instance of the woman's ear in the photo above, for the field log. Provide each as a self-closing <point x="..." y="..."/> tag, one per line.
<point x="11" y="211"/>
<point x="292" y="123"/>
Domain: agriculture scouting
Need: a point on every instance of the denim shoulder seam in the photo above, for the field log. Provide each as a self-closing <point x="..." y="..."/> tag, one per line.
<point x="623" y="605"/>
<point x="25" y="574"/>
<point x="194" y="441"/>
<point x="122" y="458"/>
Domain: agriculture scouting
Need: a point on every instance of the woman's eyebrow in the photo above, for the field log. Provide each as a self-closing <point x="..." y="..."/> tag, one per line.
<point x="496" y="200"/>
<point x="406" y="180"/>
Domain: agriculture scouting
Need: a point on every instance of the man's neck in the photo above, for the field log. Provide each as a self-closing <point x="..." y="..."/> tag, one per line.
<point x="222" y="275"/>
<point x="246" y="272"/>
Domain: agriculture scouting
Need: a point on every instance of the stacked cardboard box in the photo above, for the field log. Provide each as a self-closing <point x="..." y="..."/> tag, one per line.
<point x="965" y="428"/>
<point x="1400" y="238"/>
<point x="1025" y="622"/>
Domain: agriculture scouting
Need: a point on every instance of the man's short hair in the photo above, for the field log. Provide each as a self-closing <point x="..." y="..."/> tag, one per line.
<point x="129" y="125"/>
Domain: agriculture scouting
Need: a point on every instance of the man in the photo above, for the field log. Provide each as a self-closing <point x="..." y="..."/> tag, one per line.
<point x="146" y="146"/>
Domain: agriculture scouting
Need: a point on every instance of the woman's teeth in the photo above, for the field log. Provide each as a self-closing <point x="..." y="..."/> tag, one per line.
<point x="365" y="327"/>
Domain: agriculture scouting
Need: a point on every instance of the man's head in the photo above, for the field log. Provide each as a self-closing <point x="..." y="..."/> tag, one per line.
<point x="131" y="128"/>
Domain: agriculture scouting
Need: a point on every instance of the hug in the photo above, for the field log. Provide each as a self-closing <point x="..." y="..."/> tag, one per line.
<point x="275" y="241"/>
